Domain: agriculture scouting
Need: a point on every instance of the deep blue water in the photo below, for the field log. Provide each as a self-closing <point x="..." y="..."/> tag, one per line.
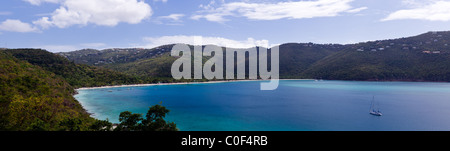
<point x="296" y="105"/>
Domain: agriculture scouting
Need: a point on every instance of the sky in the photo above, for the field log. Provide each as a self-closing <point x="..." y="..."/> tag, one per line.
<point x="69" y="25"/>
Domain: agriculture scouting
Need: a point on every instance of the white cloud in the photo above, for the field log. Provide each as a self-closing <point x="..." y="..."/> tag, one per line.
<point x="417" y="3"/>
<point x="434" y="11"/>
<point x="164" y="1"/>
<point x="172" y="19"/>
<point x="44" y="23"/>
<point x="12" y="25"/>
<point x="275" y="11"/>
<point x="210" y="5"/>
<point x="357" y="10"/>
<point x="98" y="12"/>
<point x="200" y="40"/>
<point x="38" y="2"/>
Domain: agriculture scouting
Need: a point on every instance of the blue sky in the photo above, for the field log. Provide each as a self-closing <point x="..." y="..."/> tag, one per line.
<point x="68" y="25"/>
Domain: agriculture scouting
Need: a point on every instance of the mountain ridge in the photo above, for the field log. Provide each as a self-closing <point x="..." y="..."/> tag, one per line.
<point x="416" y="58"/>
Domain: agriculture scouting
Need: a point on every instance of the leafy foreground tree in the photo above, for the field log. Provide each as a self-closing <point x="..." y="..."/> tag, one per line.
<point x="101" y="125"/>
<point x="153" y="121"/>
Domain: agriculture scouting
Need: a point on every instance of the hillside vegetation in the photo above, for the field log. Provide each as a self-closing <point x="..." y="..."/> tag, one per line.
<point x="77" y="75"/>
<point x="35" y="95"/>
<point x="420" y="58"/>
<point x="34" y="99"/>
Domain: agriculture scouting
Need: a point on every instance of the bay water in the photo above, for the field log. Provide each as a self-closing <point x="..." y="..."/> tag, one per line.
<point x="297" y="105"/>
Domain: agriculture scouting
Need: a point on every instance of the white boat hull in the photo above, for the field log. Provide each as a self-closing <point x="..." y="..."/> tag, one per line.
<point x="376" y="113"/>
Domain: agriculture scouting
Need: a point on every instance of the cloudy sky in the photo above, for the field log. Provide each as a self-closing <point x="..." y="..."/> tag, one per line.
<point x="67" y="25"/>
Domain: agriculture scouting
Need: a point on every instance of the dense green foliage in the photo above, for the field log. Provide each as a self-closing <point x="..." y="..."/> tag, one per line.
<point x="34" y="99"/>
<point x="114" y="56"/>
<point x="153" y="121"/>
<point x="150" y="68"/>
<point x="424" y="57"/>
<point x="77" y="75"/>
<point x="296" y="58"/>
<point x="34" y="95"/>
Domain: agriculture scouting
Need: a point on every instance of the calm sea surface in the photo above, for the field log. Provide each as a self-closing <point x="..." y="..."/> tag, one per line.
<point x="299" y="105"/>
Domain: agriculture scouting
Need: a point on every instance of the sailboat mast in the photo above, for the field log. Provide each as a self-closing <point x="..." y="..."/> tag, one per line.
<point x="371" y="104"/>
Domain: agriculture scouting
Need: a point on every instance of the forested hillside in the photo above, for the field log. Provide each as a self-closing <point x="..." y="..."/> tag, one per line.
<point x="419" y="58"/>
<point x="34" y="95"/>
<point x="77" y="75"/>
<point x="34" y="99"/>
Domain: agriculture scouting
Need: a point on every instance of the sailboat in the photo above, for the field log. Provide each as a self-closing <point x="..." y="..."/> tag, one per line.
<point x="372" y="110"/>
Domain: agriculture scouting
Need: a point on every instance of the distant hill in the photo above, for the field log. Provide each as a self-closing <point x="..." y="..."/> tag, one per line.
<point x="157" y="62"/>
<point x="150" y="65"/>
<point x="115" y="55"/>
<point x="420" y="58"/>
<point x="77" y="75"/>
<point x="295" y="58"/>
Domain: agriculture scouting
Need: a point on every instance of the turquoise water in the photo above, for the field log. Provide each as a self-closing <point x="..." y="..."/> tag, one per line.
<point x="300" y="105"/>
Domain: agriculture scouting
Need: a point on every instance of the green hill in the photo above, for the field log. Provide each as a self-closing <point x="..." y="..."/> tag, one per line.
<point x="115" y="55"/>
<point x="294" y="58"/>
<point x="152" y="70"/>
<point x="419" y="58"/>
<point x="77" y="75"/>
<point x="297" y="57"/>
<point x="34" y="99"/>
<point x="34" y="95"/>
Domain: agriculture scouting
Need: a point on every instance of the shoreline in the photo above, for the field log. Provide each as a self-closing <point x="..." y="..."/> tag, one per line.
<point x="225" y="81"/>
<point x="174" y="83"/>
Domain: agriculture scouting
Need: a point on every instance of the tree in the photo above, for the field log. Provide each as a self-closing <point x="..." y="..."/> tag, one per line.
<point x="101" y="125"/>
<point x="129" y="121"/>
<point x="38" y="125"/>
<point x="154" y="120"/>
<point x="72" y="124"/>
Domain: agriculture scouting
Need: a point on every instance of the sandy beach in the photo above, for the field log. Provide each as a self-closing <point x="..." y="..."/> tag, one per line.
<point x="175" y="83"/>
